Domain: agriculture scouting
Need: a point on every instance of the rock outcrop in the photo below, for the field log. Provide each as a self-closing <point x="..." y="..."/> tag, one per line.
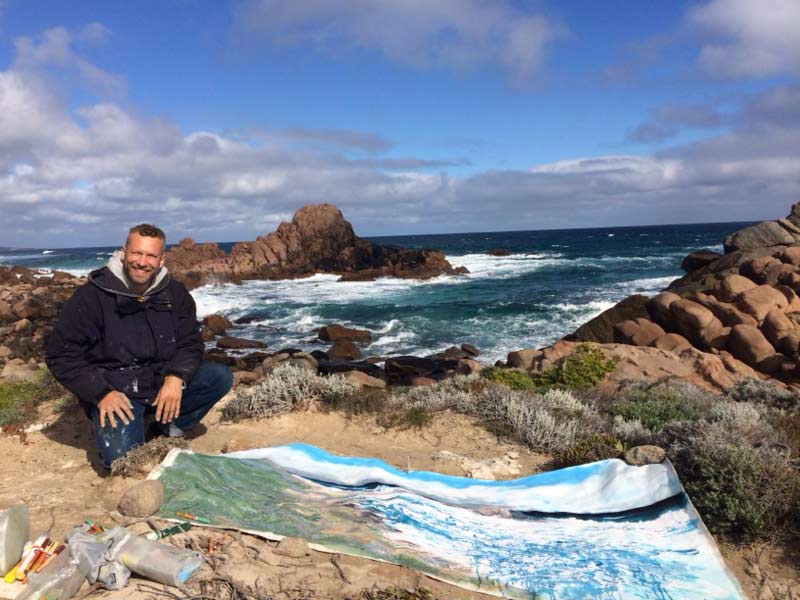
<point x="318" y="240"/>
<point x="29" y="301"/>
<point x="742" y="307"/>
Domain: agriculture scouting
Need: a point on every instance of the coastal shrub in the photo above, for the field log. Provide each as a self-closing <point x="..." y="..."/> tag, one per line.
<point x="599" y="446"/>
<point x="786" y="424"/>
<point x="654" y="404"/>
<point x="287" y="388"/>
<point x="511" y="378"/>
<point x="454" y="393"/>
<point x="581" y="370"/>
<point x="355" y="402"/>
<point x="19" y="399"/>
<point x="550" y="422"/>
<point x="742" y="491"/>
<point x="763" y="392"/>
<point x="632" y="433"/>
<point x="416" y="416"/>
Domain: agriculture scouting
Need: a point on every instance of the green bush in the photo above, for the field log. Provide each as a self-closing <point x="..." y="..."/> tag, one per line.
<point x="19" y="399"/>
<point x="516" y="380"/>
<point x="656" y="404"/>
<point x="763" y="392"/>
<point x="581" y="370"/>
<point x="743" y="492"/>
<point x="600" y="446"/>
<point x="654" y="414"/>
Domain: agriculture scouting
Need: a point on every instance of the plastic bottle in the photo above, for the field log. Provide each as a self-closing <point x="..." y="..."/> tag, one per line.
<point x="59" y="580"/>
<point x="157" y="561"/>
<point x="14" y="532"/>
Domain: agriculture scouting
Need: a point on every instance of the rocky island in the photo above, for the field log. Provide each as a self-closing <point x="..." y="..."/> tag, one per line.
<point x="318" y="240"/>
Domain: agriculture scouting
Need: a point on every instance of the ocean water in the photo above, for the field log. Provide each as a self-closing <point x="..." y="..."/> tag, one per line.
<point x="552" y="282"/>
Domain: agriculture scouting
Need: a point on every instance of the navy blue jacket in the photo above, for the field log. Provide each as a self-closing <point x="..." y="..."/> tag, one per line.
<point x="108" y="338"/>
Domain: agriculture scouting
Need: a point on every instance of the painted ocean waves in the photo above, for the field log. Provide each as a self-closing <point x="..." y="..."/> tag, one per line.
<point x="650" y="550"/>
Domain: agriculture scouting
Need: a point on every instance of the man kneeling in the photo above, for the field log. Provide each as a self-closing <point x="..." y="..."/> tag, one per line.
<point x="128" y="343"/>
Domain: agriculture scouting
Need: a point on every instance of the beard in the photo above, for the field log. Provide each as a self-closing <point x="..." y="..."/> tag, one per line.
<point x="140" y="277"/>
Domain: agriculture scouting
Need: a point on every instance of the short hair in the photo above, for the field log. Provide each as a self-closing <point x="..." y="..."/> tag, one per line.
<point x="147" y="230"/>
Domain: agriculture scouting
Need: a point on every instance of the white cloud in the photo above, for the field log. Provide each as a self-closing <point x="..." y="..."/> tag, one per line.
<point x="82" y="177"/>
<point x="449" y="34"/>
<point x="56" y="48"/>
<point x="755" y="38"/>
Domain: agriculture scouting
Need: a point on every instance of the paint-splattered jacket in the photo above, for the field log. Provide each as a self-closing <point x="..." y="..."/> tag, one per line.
<point x="109" y="338"/>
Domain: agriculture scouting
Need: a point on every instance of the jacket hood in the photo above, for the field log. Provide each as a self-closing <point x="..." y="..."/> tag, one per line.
<point x="112" y="278"/>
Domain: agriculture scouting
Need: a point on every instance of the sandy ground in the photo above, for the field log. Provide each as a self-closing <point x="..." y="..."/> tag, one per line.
<point x="56" y="474"/>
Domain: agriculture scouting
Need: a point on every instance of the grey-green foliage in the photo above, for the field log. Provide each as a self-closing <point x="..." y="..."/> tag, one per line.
<point x="548" y="422"/>
<point x="287" y="388"/>
<point x="764" y="392"/>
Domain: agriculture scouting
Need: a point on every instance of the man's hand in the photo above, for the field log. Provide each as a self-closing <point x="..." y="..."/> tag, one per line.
<point x="168" y="400"/>
<point x="115" y="404"/>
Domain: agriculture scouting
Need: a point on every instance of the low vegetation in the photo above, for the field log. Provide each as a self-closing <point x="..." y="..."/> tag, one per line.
<point x="581" y="370"/>
<point x="19" y="400"/>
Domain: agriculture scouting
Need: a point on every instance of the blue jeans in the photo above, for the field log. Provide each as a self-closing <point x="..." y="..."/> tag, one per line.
<point x="211" y="382"/>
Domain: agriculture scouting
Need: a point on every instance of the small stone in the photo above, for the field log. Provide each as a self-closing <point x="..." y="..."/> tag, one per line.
<point x="143" y="499"/>
<point x="422" y="381"/>
<point x="234" y="343"/>
<point x="644" y="455"/>
<point x="292" y="547"/>
<point x="470" y="349"/>
<point x="362" y="380"/>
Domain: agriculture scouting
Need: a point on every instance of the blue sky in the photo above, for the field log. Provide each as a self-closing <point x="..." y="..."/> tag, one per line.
<point x="219" y="119"/>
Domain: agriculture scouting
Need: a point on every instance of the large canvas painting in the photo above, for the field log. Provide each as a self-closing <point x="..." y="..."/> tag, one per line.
<point x="603" y="530"/>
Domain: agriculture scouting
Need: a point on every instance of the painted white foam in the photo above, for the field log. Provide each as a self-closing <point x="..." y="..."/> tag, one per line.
<point x="611" y="486"/>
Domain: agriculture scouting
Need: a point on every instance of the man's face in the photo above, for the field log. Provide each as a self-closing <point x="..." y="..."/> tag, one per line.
<point x="142" y="257"/>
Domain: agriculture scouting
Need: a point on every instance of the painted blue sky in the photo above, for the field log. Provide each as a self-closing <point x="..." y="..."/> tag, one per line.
<point x="219" y="119"/>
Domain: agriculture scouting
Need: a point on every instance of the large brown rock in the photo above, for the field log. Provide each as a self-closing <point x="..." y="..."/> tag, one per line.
<point x="331" y="333"/>
<point x="658" y="307"/>
<point x="777" y="326"/>
<point x="727" y="313"/>
<point x="691" y="316"/>
<point x="790" y="255"/>
<point x="318" y="240"/>
<point x="344" y="349"/>
<point x="749" y="345"/>
<point x="766" y="269"/>
<point x="672" y="342"/>
<point x="731" y="286"/>
<point x="639" y="332"/>
<point x="523" y="359"/>
<point x="768" y="233"/>
<point x="217" y="324"/>
<point x="699" y="259"/>
<point x="601" y="328"/>
<point x="760" y="300"/>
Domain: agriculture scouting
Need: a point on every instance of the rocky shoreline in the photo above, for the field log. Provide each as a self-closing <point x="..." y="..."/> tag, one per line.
<point x="730" y="317"/>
